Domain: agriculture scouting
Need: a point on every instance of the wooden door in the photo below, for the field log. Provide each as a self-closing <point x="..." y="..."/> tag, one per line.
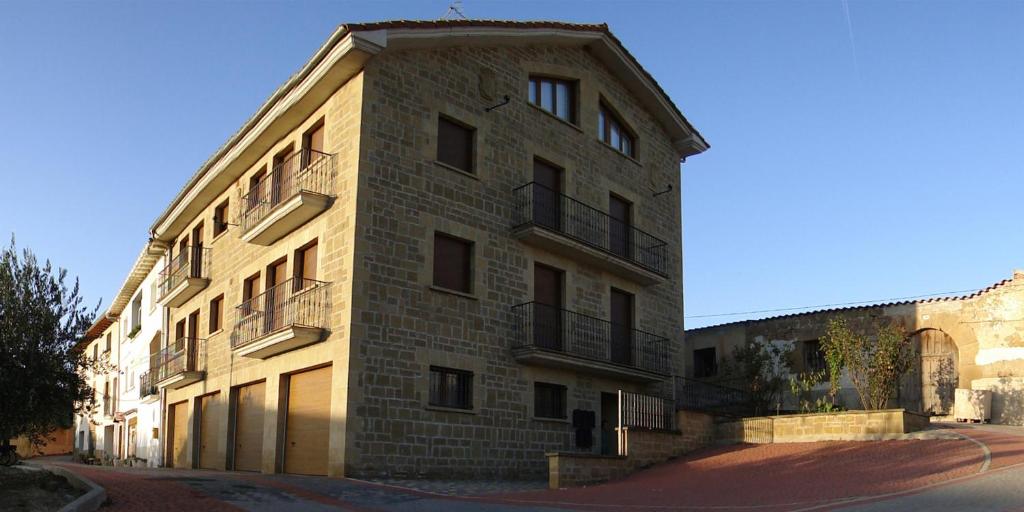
<point x="196" y="257"/>
<point x="619" y="226"/>
<point x="548" y="321"/>
<point x="249" y="410"/>
<point x="276" y="296"/>
<point x="179" y="435"/>
<point x="547" y="202"/>
<point x="209" y="430"/>
<point x="281" y="176"/>
<point x="256" y="193"/>
<point x="622" y="327"/>
<point x="939" y="376"/>
<point x="609" y="422"/>
<point x="308" y="423"/>
<point x="314" y="145"/>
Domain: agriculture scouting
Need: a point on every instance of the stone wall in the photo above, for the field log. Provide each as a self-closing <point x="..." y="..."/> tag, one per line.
<point x="838" y="426"/>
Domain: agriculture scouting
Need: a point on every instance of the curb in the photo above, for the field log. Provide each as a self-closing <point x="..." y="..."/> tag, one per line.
<point x="93" y="498"/>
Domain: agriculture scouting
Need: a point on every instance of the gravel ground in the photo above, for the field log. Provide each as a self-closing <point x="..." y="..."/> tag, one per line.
<point x="28" y="489"/>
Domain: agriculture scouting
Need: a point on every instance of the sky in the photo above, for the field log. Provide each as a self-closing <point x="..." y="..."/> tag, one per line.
<point x="860" y="150"/>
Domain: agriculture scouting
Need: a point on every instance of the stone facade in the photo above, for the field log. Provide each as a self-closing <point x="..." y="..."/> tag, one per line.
<point x="387" y="324"/>
<point x="974" y="341"/>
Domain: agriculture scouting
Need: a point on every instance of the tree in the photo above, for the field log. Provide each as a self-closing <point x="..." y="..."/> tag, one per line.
<point x="763" y="368"/>
<point x="874" y="364"/>
<point x="41" y="377"/>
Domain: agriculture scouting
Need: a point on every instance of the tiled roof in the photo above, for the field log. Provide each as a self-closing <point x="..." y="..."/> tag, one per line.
<point x="931" y="300"/>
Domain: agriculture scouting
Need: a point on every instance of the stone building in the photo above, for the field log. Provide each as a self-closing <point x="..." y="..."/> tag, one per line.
<point x="973" y="341"/>
<point x="423" y="253"/>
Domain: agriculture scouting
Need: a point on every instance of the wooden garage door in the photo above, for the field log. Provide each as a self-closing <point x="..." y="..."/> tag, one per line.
<point x="249" y="427"/>
<point x="209" y="428"/>
<point x="179" y="434"/>
<point x="309" y="407"/>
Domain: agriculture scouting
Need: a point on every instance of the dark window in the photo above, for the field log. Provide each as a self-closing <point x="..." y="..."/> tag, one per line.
<point x="705" y="363"/>
<point x="455" y="144"/>
<point x="613" y="132"/>
<point x="452" y="263"/>
<point x="220" y="218"/>
<point x="216" y="313"/>
<point x="548" y="400"/>
<point x="814" y="357"/>
<point x="137" y="312"/>
<point x="108" y="343"/>
<point x="96" y="351"/>
<point x="451" y="388"/>
<point x="555" y="96"/>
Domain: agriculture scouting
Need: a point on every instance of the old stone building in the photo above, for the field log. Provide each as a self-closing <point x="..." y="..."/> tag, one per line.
<point x="974" y="341"/>
<point x="424" y="253"/>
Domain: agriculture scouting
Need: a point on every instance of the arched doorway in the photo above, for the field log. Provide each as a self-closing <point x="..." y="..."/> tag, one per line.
<point x="939" y="375"/>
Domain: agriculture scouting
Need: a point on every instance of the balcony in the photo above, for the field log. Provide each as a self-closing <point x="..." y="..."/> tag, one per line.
<point x="553" y="337"/>
<point x="295" y="191"/>
<point x="563" y="225"/>
<point x="148" y="390"/>
<point x="185" y="276"/>
<point x="180" y="364"/>
<point x="288" y="316"/>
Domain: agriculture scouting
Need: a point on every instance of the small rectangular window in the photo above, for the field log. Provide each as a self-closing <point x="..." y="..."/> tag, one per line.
<point x="451" y="388"/>
<point x="137" y="313"/>
<point x="556" y="96"/>
<point x="220" y="218"/>
<point x="453" y="263"/>
<point x="216" y="313"/>
<point x="107" y="349"/>
<point x="705" y="362"/>
<point x="814" y="357"/>
<point x="612" y="131"/>
<point x="548" y="400"/>
<point x="455" y="144"/>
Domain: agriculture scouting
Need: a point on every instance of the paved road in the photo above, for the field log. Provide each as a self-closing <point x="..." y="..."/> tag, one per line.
<point x="935" y="475"/>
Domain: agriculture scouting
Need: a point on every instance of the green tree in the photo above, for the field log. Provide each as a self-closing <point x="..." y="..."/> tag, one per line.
<point x="762" y="368"/>
<point x="874" y="363"/>
<point x="41" y="377"/>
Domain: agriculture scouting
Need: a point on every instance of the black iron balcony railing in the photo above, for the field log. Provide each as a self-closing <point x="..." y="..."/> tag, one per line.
<point x="306" y="171"/>
<point x="295" y="302"/>
<point x="147" y="384"/>
<point x="552" y="329"/>
<point x="184" y="355"/>
<point x="192" y="261"/>
<point x="535" y="204"/>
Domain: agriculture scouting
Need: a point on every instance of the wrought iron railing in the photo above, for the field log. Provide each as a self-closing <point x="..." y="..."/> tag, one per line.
<point x="192" y="261"/>
<point x="184" y="355"/>
<point x="646" y="411"/>
<point x="697" y="395"/>
<point x="535" y="204"/>
<point x="147" y="384"/>
<point x="296" y="301"/>
<point x="306" y="171"/>
<point x="549" y="328"/>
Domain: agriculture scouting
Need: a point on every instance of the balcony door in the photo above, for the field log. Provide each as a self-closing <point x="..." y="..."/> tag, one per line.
<point x="619" y="232"/>
<point x="255" y="194"/>
<point x="547" y="204"/>
<point x="313" y="142"/>
<point x="282" y="176"/>
<point x="275" y="296"/>
<point x="192" y="343"/>
<point x="622" y="327"/>
<point x="547" y="315"/>
<point x="196" y="257"/>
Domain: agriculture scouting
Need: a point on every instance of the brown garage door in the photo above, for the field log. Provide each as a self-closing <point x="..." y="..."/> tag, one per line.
<point x="179" y="434"/>
<point x="209" y="428"/>
<point x="249" y="427"/>
<point x="309" y="407"/>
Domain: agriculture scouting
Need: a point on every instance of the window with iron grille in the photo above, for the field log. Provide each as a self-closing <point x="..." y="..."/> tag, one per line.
<point x="555" y="96"/>
<point x="814" y="357"/>
<point x="705" y="362"/>
<point x="548" y="400"/>
<point x="455" y="144"/>
<point x="451" y="388"/>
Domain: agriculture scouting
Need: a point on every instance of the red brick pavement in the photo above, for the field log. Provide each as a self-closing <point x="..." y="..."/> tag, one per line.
<point x="135" y="492"/>
<point x="775" y="476"/>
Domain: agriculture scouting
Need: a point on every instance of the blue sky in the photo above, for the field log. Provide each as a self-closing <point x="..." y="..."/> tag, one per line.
<point x="886" y="164"/>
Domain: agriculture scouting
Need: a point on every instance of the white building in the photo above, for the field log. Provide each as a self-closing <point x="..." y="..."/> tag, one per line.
<point x="126" y="422"/>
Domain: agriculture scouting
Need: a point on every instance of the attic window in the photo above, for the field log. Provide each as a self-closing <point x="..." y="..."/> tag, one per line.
<point x="555" y="96"/>
<point x="612" y="131"/>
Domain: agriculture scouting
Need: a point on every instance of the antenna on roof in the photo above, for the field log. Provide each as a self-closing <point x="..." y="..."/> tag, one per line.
<point x="454" y="11"/>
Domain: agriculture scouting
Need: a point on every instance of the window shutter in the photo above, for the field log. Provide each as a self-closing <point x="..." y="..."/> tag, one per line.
<point x="455" y="145"/>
